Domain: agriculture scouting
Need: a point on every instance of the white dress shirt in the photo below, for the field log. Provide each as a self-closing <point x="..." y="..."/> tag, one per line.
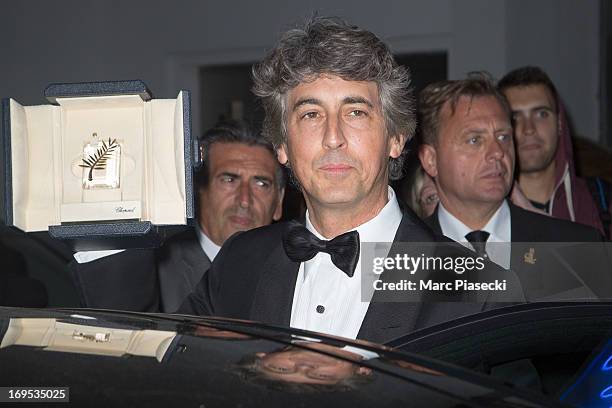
<point x="498" y="227"/>
<point x="325" y="299"/>
<point x="210" y="248"/>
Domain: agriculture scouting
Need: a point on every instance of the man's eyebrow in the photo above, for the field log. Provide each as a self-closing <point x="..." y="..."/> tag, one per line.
<point x="474" y="130"/>
<point x="504" y="129"/>
<point x="357" y="99"/>
<point x="543" y="107"/>
<point x="306" y="101"/>
<point x="347" y="100"/>
<point x="533" y="108"/>
<point x="229" y="174"/>
<point x="263" y="178"/>
<point x="479" y="130"/>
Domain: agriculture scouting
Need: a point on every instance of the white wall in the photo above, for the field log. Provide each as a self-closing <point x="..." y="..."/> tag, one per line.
<point x="164" y="42"/>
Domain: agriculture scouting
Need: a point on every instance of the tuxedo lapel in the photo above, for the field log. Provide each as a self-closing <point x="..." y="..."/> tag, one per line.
<point x="527" y="267"/>
<point x="539" y="271"/>
<point x="522" y="232"/>
<point x="274" y="294"/>
<point x="385" y="321"/>
<point x="194" y="259"/>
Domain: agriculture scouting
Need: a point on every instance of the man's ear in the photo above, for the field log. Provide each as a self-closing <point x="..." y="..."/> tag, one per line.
<point x="397" y="145"/>
<point x="429" y="159"/>
<point x="281" y="154"/>
<point x="278" y="212"/>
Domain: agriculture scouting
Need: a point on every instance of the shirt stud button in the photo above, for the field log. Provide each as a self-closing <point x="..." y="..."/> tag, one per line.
<point x="320" y="309"/>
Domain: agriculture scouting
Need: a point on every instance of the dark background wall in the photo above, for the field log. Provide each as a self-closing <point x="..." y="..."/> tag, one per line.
<point x="207" y="47"/>
<point x="167" y="44"/>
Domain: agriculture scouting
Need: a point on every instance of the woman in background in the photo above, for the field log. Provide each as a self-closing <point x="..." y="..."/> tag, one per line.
<point x="421" y="194"/>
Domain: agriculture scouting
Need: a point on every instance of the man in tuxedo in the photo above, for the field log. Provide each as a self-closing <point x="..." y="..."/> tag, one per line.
<point x="468" y="149"/>
<point x="240" y="186"/>
<point x="338" y="110"/>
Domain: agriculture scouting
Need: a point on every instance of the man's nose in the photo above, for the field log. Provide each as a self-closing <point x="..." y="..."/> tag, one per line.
<point x="244" y="195"/>
<point x="334" y="135"/>
<point x="495" y="151"/>
<point x="528" y="126"/>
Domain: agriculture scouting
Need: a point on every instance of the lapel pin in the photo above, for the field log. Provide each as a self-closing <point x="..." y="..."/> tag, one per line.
<point x="529" y="257"/>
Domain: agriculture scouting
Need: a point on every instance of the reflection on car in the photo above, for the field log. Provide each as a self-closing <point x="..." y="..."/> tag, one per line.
<point x="111" y="358"/>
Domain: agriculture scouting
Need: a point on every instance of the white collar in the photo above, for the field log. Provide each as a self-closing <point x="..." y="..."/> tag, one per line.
<point x="381" y="228"/>
<point x="499" y="226"/>
<point x="210" y="248"/>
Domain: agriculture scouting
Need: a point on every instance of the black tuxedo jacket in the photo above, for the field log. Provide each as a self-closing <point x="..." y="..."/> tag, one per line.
<point x="143" y="280"/>
<point x="252" y="278"/>
<point x="572" y="271"/>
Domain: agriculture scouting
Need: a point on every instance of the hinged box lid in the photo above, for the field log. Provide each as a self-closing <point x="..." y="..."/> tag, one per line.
<point x="102" y="164"/>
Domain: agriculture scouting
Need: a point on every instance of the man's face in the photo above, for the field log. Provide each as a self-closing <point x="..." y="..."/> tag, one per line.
<point x="473" y="159"/>
<point x="428" y="196"/>
<point x="242" y="191"/>
<point x="535" y="117"/>
<point x="337" y="145"/>
<point x="310" y="367"/>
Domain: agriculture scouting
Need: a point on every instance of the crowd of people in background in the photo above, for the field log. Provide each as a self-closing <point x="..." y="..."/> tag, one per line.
<point x="545" y="178"/>
<point x="489" y="160"/>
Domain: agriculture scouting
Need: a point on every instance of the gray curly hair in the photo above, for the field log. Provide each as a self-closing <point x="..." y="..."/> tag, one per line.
<point x="328" y="45"/>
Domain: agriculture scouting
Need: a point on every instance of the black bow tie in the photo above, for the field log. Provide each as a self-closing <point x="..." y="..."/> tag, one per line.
<point x="301" y="245"/>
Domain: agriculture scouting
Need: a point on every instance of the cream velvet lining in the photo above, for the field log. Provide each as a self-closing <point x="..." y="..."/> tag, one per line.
<point x="46" y="147"/>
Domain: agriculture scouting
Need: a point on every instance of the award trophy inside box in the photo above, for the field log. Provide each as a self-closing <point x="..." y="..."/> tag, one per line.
<point x="104" y="162"/>
<point x="55" y="335"/>
<point x="101" y="163"/>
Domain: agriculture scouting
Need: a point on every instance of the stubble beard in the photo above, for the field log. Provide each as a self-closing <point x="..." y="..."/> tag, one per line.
<point x="538" y="163"/>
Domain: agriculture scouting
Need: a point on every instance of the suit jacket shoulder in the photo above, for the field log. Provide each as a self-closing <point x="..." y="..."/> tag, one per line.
<point x="559" y="259"/>
<point x="180" y="264"/>
<point x="528" y="226"/>
<point x="230" y="286"/>
<point x="143" y="280"/>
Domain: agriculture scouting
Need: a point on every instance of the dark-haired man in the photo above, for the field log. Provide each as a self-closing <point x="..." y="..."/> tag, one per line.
<point x="339" y="110"/>
<point x="468" y="149"/>
<point x="306" y="366"/>
<point x="240" y="186"/>
<point x="544" y="147"/>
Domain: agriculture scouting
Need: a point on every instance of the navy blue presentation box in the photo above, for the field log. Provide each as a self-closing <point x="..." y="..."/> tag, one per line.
<point x="103" y="165"/>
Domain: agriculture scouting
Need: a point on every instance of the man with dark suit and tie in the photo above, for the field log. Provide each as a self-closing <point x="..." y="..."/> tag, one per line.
<point x="338" y="110"/>
<point x="468" y="149"/>
<point x="240" y="186"/>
